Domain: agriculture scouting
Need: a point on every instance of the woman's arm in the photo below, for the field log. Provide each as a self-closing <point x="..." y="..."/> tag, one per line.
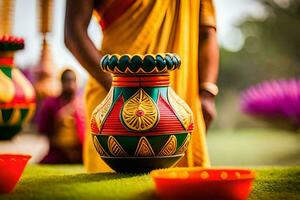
<point x="77" y="19"/>
<point x="208" y="70"/>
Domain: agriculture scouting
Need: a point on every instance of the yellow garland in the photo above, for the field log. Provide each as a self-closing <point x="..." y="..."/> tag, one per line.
<point x="6" y="10"/>
<point x="45" y="16"/>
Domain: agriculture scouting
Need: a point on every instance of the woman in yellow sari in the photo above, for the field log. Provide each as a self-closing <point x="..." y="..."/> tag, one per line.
<point x="185" y="27"/>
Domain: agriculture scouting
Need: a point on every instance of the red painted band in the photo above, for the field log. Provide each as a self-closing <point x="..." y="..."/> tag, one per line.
<point x="141" y="81"/>
<point x="139" y="134"/>
<point x="17" y="105"/>
<point x="6" y="61"/>
<point x="140" y="78"/>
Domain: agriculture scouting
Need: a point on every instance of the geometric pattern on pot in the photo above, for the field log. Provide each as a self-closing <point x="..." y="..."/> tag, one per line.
<point x="98" y="147"/>
<point x="115" y="148"/>
<point x="8" y="86"/>
<point x="170" y="147"/>
<point x="100" y="112"/>
<point x="17" y="99"/>
<point x="15" y="89"/>
<point x="185" y="145"/>
<point x="140" y="113"/>
<point x="182" y="109"/>
<point x="168" y="122"/>
<point x="144" y="148"/>
<point x="141" y="146"/>
<point x="11" y="120"/>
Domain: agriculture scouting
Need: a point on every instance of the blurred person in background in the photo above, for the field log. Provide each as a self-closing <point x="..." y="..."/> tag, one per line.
<point x="61" y="119"/>
<point x="187" y="28"/>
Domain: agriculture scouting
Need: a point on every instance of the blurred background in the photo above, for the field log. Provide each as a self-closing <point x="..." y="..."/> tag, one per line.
<point x="259" y="100"/>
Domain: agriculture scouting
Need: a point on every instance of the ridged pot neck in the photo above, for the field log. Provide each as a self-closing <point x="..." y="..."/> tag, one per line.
<point x="140" y="65"/>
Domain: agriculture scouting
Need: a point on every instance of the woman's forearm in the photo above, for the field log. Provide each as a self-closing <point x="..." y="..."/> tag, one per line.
<point x="88" y="56"/>
<point x="208" y="72"/>
<point x="78" y="15"/>
<point x="208" y="55"/>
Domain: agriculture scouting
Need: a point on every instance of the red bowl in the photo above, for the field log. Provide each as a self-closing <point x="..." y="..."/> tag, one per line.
<point x="11" y="169"/>
<point x="203" y="183"/>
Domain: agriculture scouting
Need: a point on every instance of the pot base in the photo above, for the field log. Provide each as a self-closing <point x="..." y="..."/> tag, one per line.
<point x="8" y="132"/>
<point x="140" y="164"/>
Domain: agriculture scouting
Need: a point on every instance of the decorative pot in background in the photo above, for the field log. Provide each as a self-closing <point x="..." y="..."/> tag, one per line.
<point x="44" y="73"/>
<point x="141" y="124"/>
<point x="17" y="96"/>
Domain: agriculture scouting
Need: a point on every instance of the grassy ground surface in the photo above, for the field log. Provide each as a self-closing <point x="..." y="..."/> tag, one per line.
<point x="70" y="182"/>
<point x="247" y="147"/>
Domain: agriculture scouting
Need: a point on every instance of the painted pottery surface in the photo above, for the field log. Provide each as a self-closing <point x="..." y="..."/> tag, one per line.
<point x="17" y="96"/>
<point x="141" y="124"/>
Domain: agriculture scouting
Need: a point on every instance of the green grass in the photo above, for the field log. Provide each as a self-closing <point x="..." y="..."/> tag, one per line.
<point x="247" y="147"/>
<point x="71" y="182"/>
<point x="277" y="183"/>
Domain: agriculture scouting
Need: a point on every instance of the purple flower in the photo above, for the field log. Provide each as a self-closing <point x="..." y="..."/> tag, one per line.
<point x="277" y="99"/>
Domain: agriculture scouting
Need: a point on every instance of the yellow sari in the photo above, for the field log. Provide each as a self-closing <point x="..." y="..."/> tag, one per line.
<point x="150" y="26"/>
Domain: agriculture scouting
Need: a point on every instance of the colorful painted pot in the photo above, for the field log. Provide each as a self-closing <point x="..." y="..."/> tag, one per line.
<point x="141" y="124"/>
<point x="17" y="96"/>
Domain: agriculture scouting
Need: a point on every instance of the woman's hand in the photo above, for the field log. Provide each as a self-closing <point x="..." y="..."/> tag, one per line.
<point x="208" y="107"/>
